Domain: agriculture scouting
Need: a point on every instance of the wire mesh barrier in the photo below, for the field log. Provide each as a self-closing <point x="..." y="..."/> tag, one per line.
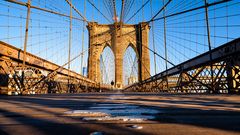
<point x="190" y="46"/>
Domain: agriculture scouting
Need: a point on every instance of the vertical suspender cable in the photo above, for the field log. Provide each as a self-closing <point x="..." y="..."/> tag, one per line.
<point x="122" y="12"/>
<point x="8" y="25"/>
<point x="227" y="20"/>
<point x="26" y="32"/>
<point x="142" y="12"/>
<point x="165" y="42"/>
<point x="121" y="18"/>
<point x="153" y="40"/>
<point x="209" y="43"/>
<point x="25" y="42"/>
<point x="83" y="38"/>
<point x="70" y="42"/>
<point x="115" y="12"/>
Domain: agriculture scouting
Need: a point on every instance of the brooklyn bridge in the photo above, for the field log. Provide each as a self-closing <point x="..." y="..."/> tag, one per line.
<point x="99" y="67"/>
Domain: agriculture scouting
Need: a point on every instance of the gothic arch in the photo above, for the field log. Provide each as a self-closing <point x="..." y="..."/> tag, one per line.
<point x="134" y="47"/>
<point x="106" y="45"/>
<point x="107" y="65"/>
<point x="130" y="65"/>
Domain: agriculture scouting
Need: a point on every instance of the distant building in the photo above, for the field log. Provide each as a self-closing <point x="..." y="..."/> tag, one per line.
<point x="84" y="71"/>
<point x="132" y="79"/>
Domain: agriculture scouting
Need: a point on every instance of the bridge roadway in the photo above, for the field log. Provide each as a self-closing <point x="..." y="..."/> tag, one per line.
<point x="115" y="113"/>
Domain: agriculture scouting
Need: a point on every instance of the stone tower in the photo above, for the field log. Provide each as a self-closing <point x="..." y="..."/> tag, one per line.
<point x="118" y="39"/>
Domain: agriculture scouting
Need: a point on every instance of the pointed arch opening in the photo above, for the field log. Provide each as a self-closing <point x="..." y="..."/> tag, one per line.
<point x="130" y="66"/>
<point x="107" y="66"/>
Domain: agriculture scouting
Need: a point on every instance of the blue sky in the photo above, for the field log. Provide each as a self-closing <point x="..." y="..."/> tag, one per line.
<point x="186" y="33"/>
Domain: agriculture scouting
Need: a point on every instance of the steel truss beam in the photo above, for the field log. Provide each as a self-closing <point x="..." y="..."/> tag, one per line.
<point x="195" y="75"/>
<point x="40" y="76"/>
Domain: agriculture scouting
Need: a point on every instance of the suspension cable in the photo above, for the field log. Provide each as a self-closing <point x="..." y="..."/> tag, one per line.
<point x="42" y="9"/>
<point x="193" y="9"/>
<point x="138" y="11"/>
<point x="99" y="11"/>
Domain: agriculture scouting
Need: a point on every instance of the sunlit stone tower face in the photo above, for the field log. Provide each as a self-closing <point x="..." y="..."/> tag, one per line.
<point x="118" y="39"/>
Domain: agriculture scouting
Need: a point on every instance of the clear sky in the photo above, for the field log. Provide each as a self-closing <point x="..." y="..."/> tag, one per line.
<point x="186" y="34"/>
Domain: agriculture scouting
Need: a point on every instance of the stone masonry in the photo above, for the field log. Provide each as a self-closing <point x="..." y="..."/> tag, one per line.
<point x="118" y="39"/>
